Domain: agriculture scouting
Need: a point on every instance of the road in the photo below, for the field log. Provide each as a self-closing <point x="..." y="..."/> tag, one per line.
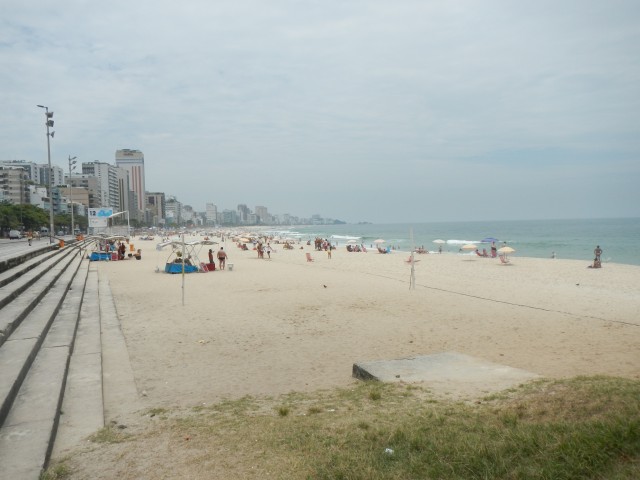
<point x="14" y="248"/>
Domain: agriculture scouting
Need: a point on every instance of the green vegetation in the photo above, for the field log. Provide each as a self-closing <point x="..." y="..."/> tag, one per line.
<point x="109" y="434"/>
<point x="58" y="472"/>
<point x="583" y="428"/>
<point x="31" y="217"/>
<point x="13" y="217"/>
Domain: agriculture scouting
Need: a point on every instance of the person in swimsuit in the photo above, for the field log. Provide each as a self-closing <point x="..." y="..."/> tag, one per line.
<point x="597" y="252"/>
<point x="222" y="257"/>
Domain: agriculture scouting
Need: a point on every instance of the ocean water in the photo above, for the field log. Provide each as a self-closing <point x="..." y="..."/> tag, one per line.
<point x="619" y="238"/>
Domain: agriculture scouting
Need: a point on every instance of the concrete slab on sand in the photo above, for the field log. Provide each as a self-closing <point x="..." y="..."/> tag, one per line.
<point x="449" y="373"/>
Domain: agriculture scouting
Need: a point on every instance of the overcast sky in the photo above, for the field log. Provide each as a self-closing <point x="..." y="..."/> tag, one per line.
<point x="361" y="110"/>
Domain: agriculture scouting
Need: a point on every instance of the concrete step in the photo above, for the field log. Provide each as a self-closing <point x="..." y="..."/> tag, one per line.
<point x="21" y="282"/>
<point x="118" y="382"/>
<point x="12" y="274"/>
<point x="17" y="353"/>
<point x="38" y="281"/>
<point x="26" y="437"/>
<point x="9" y="262"/>
<point x="82" y="408"/>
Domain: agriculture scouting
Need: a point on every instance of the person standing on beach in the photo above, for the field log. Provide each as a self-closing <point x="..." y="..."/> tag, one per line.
<point x="222" y="257"/>
<point x="597" y="252"/>
<point x="211" y="256"/>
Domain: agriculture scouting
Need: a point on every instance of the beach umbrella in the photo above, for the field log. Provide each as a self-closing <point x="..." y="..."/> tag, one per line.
<point x="504" y="251"/>
<point x="489" y="240"/>
<point x="469" y="246"/>
<point x="439" y="241"/>
<point x="352" y="241"/>
<point x="379" y="241"/>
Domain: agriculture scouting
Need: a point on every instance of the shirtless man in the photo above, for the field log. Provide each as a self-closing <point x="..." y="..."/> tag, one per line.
<point x="222" y="257"/>
<point x="597" y="252"/>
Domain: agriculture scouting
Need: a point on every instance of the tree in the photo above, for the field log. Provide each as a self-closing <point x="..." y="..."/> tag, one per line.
<point x="18" y="217"/>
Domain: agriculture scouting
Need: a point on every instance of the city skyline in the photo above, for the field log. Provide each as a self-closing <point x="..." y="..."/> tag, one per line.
<point x="103" y="185"/>
<point x="365" y="111"/>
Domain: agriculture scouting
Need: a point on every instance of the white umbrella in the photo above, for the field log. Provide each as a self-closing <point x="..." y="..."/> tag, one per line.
<point x="352" y="241"/>
<point x="503" y="253"/>
<point x="439" y="241"/>
<point x="469" y="246"/>
<point x="379" y="241"/>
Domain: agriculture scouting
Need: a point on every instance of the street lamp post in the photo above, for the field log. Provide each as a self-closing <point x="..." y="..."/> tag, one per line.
<point x="72" y="166"/>
<point x="49" y="123"/>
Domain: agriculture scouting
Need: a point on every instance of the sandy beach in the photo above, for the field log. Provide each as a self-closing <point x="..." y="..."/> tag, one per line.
<point x="283" y="324"/>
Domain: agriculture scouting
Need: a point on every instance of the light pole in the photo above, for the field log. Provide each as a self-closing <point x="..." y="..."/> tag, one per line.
<point x="49" y="123"/>
<point x="72" y="166"/>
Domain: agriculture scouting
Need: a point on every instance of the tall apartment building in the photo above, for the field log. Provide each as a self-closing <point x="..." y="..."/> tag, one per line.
<point x="31" y="168"/>
<point x="133" y="162"/>
<point x="14" y="185"/>
<point x="263" y="214"/>
<point x="173" y="211"/>
<point x="56" y="172"/>
<point x="113" y="185"/>
<point x="211" y="213"/>
<point x="89" y="183"/>
<point x="155" y="208"/>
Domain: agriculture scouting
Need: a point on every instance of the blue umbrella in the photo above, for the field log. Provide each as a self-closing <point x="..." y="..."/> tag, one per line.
<point x="489" y="240"/>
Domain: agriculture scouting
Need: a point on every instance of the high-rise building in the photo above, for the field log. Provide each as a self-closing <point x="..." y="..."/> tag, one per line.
<point x="113" y="185"/>
<point x="173" y="211"/>
<point x="133" y="162"/>
<point x="57" y="175"/>
<point x="155" y="207"/>
<point x="211" y="213"/>
<point x="263" y="214"/>
<point x="89" y="183"/>
<point x="31" y="168"/>
<point x="14" y="185"/>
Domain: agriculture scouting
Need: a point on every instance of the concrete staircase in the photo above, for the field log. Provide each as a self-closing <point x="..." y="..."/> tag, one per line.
<point x="50" y="357"/>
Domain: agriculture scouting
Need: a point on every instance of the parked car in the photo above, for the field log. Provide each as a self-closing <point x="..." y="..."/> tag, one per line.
<point x="14" y="235"/>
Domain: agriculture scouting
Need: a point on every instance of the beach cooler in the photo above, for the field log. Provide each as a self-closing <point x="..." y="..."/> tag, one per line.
<point x="97" y="256"/>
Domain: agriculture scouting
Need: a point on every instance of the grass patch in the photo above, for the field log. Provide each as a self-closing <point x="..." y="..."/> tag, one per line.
<point x="59" y="471"/>
<point x="587" y="427"/>
<point x="109" y="434"/>
<point x="152" y="412"/>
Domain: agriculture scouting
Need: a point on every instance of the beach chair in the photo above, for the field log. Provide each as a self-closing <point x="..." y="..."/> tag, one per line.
<point x="203" y="267"/>
<point x="309" y="259"/>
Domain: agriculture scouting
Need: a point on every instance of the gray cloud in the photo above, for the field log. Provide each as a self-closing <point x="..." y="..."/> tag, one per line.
<point x="376" y="110"/>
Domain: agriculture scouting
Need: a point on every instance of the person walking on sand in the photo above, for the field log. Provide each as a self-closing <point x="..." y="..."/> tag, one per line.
<point x="222" y="257"/>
